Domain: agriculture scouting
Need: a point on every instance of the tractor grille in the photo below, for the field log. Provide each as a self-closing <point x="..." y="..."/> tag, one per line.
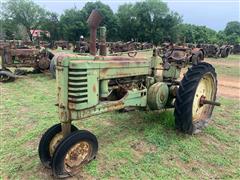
<point x="77" y="86"/>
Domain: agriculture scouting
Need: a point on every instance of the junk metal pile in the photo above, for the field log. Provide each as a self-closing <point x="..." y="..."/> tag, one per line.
<point x="23" y="54"/>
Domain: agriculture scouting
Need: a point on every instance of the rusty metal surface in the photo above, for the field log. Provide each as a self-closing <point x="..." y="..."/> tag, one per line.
<point x="76" y="156"/>
<point x="35" y="58"/>
<point x="62" y="44"/>
<point x="120" y="46"/>
<point x="93" y="21"/>
<point x="236" y="49"/>
<point x="102" y="43"/>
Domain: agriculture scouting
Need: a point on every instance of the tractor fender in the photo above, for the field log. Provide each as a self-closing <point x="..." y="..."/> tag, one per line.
<point x="197" y="51"/>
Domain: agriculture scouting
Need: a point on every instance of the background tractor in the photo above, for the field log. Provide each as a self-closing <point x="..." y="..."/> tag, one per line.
<point x="22" y="57"/>
<point x="91" y="85"/>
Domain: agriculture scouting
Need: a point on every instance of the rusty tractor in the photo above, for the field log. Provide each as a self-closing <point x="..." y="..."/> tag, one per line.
<point x="39" y="59"/>
<point x="236" y="49"/>
<point x="224" y="51"/>
<point x="62" y="44"/>
<point x="213" y="50"/>
<point x="210" y="50"/>
<point x="190" y="55"/>
<point x="81" y="47"/>
<point x="91" y="85"/>
<point x="120" y="46"/>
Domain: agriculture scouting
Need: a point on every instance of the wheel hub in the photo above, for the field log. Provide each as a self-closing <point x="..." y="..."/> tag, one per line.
<point x="205" y="90"/>
<point x="79" y="153"/>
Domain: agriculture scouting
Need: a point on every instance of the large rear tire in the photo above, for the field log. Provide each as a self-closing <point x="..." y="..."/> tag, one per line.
<point x="199" y="82"/>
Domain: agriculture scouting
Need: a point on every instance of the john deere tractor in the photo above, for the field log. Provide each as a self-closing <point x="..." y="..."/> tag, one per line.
<point x="95" y="84"/>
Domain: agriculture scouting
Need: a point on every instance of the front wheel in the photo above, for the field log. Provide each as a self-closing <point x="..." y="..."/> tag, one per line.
<point x="77" y="149"/>
<point x="49" y="142"/>
<point x="198" y="84"/>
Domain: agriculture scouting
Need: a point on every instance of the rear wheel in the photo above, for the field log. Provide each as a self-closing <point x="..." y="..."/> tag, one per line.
<point x="77" y="149"/>
<point x="225" y="52"/>
<point x="48" y="143"/>
<point x="198" y="84"/>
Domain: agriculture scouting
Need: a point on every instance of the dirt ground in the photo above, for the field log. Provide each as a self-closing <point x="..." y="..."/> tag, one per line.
<point x="228" y="86"/>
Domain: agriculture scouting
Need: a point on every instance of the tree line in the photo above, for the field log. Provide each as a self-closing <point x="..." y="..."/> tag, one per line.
<point x="144" y="21"/>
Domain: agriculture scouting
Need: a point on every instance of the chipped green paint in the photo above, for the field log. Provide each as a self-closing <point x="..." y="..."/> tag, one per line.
<point x="83" y="84"/>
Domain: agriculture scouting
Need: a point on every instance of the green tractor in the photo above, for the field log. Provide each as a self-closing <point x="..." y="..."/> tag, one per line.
<point x="91" y="85"/>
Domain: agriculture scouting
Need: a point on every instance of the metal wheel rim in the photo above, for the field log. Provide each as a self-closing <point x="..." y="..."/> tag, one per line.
<point x="54" y="143"/>
<point x="77" y="155"/>
<point x="206" y="88"/>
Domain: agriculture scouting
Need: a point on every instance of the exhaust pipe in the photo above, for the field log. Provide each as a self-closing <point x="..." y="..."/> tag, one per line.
<point x="93" y="21"/>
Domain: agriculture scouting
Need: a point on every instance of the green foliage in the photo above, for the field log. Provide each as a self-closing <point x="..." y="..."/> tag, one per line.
<point x="232" y="32"/>
<point x="233" y="27"/>
<point x="109" y="18"/>
<point x="23" y="12"/>
<point x="149" y="20"/>
<point x="51" y="24"/>
<point x="189" y="33"/>
<point x="72" y="24"/>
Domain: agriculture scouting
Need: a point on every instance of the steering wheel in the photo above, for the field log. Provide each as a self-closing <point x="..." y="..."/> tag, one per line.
<point x="167" y="54"/>
<point x="132" y="54"/>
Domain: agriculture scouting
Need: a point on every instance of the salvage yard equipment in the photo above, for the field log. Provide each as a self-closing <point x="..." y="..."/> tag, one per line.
<point x="61" y="44"/>
<point x="211" y="50"/>
<point x="236" y="49"/>
<point x="81" y="47"/>
<point x="225" y="50"/>
<point x="91" y="85"/>
<point x="120" y="46"/>
<point x="189" y="55"/>
<point x="39" y="59"/>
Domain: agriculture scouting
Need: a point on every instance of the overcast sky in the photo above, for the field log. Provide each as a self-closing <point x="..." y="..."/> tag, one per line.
<point x="212" y="13"/>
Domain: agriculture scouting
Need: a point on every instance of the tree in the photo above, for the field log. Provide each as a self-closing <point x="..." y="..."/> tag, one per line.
<point x="189" y="33"/>
<point x="109" y="18"/>
<point x="232" y="32"/>
<point x="149" y="20"/>
<point x="127" y="23"/>
<point x="23" y="12"/>
<point x="232" y="27"/>
<point x="51" y="23"/>
<point x="72" y="25"/>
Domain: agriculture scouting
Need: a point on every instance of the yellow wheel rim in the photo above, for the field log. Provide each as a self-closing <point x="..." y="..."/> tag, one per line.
<point x="206" y="89"/>
<point x="76" y="156"/>
<point x="54" y="143"/>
